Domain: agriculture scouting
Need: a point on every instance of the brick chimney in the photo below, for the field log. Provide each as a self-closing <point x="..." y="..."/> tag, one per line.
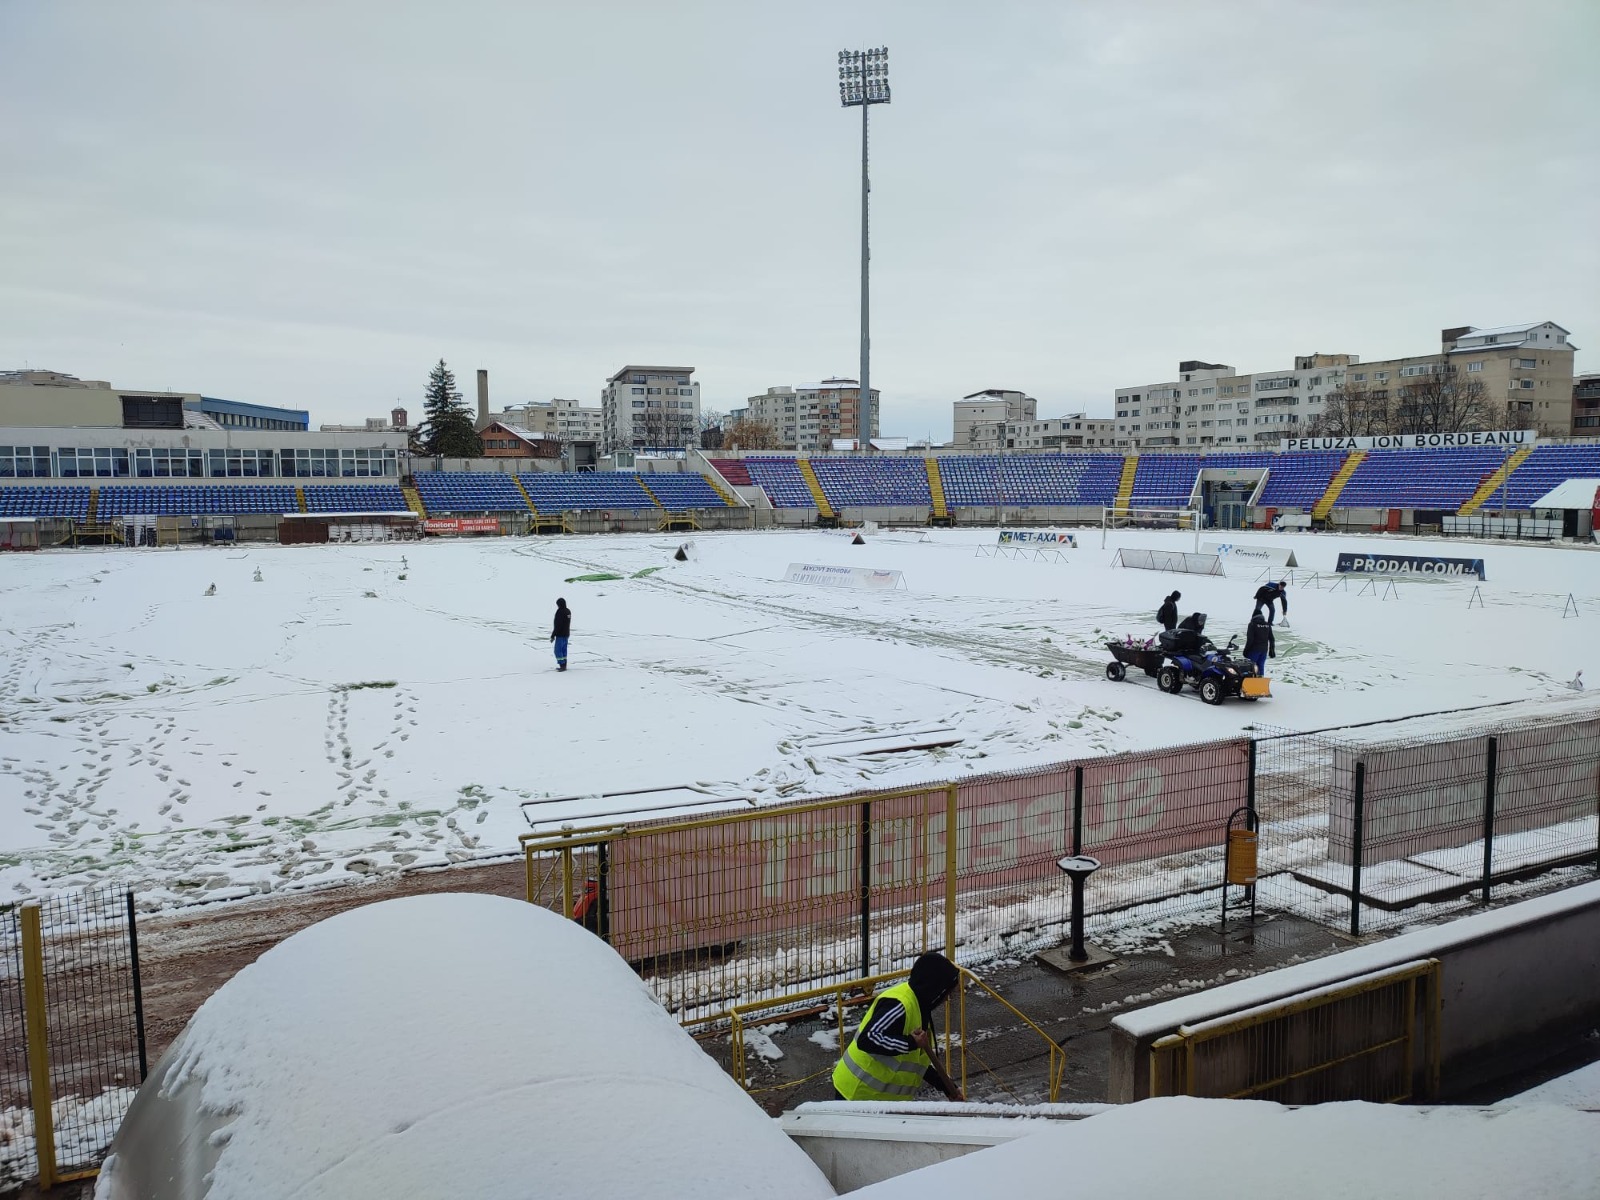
<point x="483" y="397"/>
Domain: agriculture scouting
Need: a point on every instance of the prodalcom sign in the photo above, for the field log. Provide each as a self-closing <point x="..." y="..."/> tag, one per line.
<point x="1408" y="564"/>
<point x="1414" y="441"/>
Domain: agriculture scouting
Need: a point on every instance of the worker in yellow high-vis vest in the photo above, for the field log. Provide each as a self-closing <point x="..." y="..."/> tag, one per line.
<point x="891" y="1055"/>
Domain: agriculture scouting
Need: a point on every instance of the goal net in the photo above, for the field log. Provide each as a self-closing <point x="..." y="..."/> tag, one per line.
<point x="1149" y="518"/>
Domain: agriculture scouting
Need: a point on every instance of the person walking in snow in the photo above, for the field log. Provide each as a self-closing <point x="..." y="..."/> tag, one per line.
<point x="1167" y="614"/>
<point x="892" y="1053"/>
<point x="560" y="632"/>
<point x="1268" y="593"/>
<point x="1259" y="644"/>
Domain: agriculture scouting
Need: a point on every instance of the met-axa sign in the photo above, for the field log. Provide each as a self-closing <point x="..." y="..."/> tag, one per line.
<point x="1414" y="441"/>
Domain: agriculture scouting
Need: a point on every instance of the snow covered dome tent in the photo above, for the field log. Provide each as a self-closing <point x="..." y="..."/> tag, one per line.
<point x="448" y="1045"/>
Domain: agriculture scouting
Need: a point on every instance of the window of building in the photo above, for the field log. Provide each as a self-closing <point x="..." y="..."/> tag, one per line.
<point x="1360" y="377"/>
<point x="238" y="464"/>
<point x="638" y="403"/>
<point x="104" y="462"/>
<point x="1525" y="384"/>
<point x="1527" y="363"/>
<point x="1474" y="366"/>
<point x="24" y="462"/>
<point x="637" y="391"/>
<point x="1211" y="391"/>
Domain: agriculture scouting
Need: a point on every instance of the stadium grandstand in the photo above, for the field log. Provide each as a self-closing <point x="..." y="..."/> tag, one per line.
<point x="1393" y="489"/>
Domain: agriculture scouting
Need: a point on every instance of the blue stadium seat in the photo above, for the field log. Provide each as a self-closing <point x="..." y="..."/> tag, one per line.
<point x="586" y="490"/>
<point x="1060" y="480"/>
<point x="780" y="478"/>
<point x="1442" y="479"/>
<point x="683" y="491"/>
<point x="355" y="498"/>
<point x="468" y="492"/>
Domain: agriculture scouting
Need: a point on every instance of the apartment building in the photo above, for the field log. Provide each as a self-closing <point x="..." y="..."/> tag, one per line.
<point x="1586" y="406"/>
<point x="649" y="407"/>
<point x="1526" y="371"/>
<point x="566" y="420"/>
<point x="977" y="418"/>
<point x="811" y="416"/>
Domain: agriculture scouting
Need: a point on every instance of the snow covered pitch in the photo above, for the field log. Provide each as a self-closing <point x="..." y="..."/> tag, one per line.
<point x="364" y="708"/>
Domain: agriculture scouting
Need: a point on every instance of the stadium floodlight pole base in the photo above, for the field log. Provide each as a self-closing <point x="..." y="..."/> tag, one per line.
<point x="1151" y="518"/>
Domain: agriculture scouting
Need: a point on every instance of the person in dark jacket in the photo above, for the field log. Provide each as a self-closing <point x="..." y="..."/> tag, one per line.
<point x="1268" y="593"/>
<point x="561" y="631"/>
<point x="1167" y="614"/>
<point x="1259" y="644"/>
<point x="892" y="1052"/>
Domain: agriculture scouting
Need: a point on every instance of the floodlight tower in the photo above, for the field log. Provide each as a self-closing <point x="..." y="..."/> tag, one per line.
<point x="863" y="82"/>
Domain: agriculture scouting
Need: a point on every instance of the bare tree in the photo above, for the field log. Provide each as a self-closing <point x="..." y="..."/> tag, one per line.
<point x="661" y="428"/>
<point x="745" y="434"/>
<point x="1442" y="401"/>
<point x="1354" y="410"/>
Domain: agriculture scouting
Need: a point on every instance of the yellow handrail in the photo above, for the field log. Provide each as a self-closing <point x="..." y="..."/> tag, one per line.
<point x="854" y="992"/>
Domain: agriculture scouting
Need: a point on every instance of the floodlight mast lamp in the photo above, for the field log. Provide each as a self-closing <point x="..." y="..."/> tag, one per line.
<point x="863" y="82"/>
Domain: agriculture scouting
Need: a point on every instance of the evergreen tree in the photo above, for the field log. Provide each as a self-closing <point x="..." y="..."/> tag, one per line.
<point x="446" y="429"/>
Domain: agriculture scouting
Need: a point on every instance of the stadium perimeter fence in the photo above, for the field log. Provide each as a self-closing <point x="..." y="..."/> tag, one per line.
<point x="1361" y="832"/>
<point x="730" y="909"/>
<point x="72" y="1045"/>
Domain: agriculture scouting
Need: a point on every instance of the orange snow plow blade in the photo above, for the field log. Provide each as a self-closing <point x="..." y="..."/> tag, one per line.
<point x="1256" y="685"/>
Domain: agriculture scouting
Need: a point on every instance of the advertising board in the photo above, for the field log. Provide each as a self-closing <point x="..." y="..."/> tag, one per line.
<point x="1038" y="537"/>
<point x="863" y="578"/>
<point x="1250" y="553"/>
<point x="751" y="875"/>
<point x="1430" y="797"/>
<point x="1428" y="566"/>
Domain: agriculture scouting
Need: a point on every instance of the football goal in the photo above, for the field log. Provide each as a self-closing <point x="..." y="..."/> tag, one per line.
<point x="1151" y="518"/>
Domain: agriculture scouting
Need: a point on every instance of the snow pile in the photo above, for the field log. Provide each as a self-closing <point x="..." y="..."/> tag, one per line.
<point x="84" y="1128"/>
<point x="445" y="1045"/>
<point x="1250" y="1150"/>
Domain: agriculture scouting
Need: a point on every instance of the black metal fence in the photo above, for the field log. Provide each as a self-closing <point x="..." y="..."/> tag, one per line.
<point x="72" y="1046"/>
<point x="1366" y="834"/>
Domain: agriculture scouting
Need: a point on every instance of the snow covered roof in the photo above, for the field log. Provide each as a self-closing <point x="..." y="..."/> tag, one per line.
<point x="195" y="419"/>
<point x="1501" y="330"/>
<point x="1574" y="493"/>
<point x="444" y="1045"/>
<point x="1251" y="1150"/>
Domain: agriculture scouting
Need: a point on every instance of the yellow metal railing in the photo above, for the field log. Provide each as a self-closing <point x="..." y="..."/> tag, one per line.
<point x="300" y="498"/>
<point x="414" y="499"/>
<point x="1325" y="505"/>
<point x="1356" y="1040"/>
<point x="857" y="992"/>
<point x="526" y="499"/>
<point x="1130" y="468"/>
<point x="1489" y="486"/>
<point x="936" y="489"/>
<point x="807" y="473"/>
<point x="716" y="486"/>
<point x="94" y="506"/>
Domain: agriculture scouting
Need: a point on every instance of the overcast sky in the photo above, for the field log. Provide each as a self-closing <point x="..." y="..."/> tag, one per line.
<point x="308" y="204"/>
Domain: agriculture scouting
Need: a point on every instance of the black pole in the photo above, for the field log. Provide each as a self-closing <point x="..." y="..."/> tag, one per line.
<point x="866" y="890"/>
<point x="1252" y="821"/>
<point x="138" y="987"/>
<point x="1250" y="785"/>
<point x="1077" y="953"/>
<point x="1488" y="814"/>
<point x="1356" y="838"/>
<point x="603" y="901"/>
<point x="1077" y="810"/>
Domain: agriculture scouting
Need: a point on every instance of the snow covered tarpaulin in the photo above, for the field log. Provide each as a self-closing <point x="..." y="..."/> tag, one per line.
<point x="445" y="1045"/>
